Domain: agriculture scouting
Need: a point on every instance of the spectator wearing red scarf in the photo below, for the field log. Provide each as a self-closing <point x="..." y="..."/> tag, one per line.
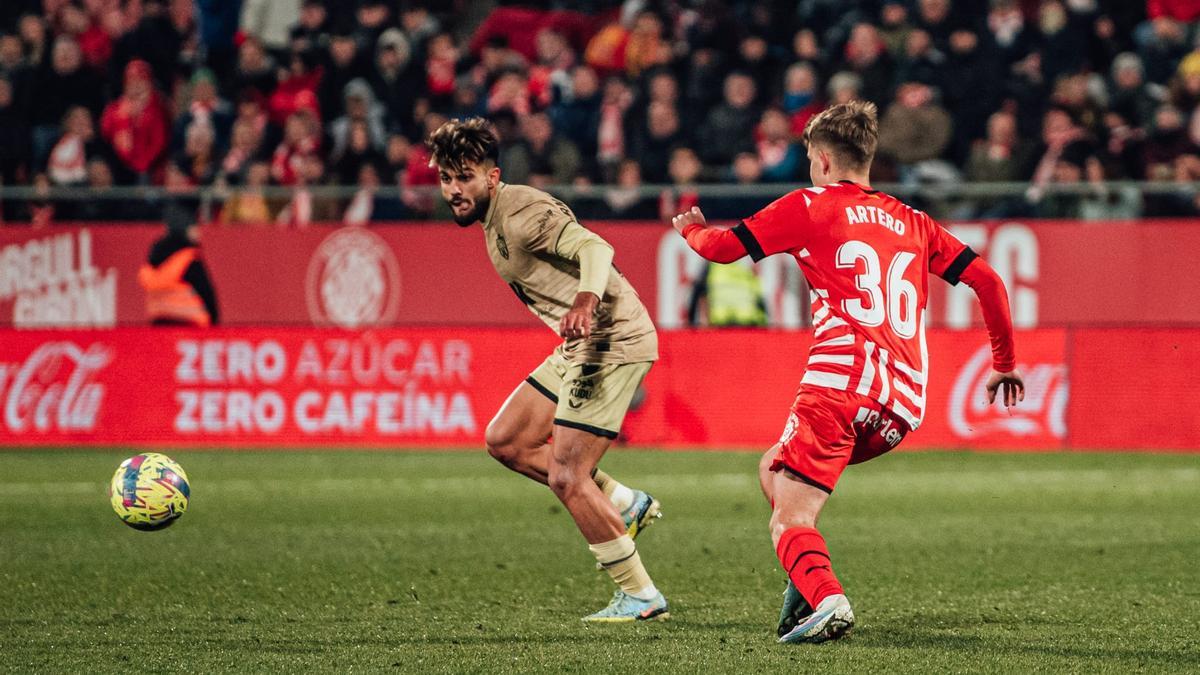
<point x="135" y="125"/>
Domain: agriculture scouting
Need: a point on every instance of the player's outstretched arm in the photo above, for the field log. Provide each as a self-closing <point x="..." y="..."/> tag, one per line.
<point x="719" y="246"/>
<point x="993" y="298"/>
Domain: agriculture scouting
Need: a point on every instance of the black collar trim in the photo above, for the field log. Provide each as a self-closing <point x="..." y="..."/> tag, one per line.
<point x="850" y="182"/>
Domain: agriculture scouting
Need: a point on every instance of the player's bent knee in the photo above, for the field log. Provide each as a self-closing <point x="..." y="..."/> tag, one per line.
<point x="789" y="512"/>
<point x="565" y="481"/>
<point x="765" y="477"/>
<point x="768" y="458"/>
<point x="502" y="448"/>
<point x="562" y="482"/>
<point x="500" y="437"/>
<point x="503" y="453"/>
<point x="783" y="520"/>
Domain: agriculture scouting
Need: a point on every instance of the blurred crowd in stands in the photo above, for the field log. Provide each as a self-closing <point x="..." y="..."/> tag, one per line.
<point x="243" y="94"/>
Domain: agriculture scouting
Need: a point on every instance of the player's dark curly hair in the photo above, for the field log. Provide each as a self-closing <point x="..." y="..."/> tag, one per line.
<point x="849" y="130"/>
<point x="460" y="142"/>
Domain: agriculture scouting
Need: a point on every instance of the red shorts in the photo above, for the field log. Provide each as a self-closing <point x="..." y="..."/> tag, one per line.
<point x="828" y="429"/>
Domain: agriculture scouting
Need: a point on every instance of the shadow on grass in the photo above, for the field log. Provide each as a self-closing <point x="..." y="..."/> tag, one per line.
<point x="601" y="636"/>
<point x="892" y="638"/>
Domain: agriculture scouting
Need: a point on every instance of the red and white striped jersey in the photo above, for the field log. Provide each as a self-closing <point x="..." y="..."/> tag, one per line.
<point x="867" y="258"/>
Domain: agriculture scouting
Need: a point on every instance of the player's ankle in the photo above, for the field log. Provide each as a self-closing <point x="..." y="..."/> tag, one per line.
<point x="647" y="593"/>
<point x="621" y="497"/>
<point x="617" y="493"/>
<point x="620" y="559"/>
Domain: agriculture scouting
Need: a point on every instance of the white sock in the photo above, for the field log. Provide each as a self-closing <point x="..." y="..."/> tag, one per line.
<point x="621" y="497"/>
<point x="647" y="593"/>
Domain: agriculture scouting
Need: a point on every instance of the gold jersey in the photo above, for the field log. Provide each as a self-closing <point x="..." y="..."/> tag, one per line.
<point x="532" y="239"/>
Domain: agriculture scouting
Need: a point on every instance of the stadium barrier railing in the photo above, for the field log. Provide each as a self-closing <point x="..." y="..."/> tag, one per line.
<point x="943" y="199"/>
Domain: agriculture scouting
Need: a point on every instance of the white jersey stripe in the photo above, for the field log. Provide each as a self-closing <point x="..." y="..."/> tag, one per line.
<point x="831" y="323"/>
<point x="868" y="373"/>
<point x="885" y="388"/>
<point x="839" y="341"/>
<point x="916" y="376"/>
<point x="820" y="314"/>
<point x="905" y="414"/>
<point x="837" y="359"/>
<point x="902" y="388"/>
<point x="820" y="378"/>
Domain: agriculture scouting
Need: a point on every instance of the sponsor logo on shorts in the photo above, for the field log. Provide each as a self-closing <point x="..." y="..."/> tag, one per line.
<point x="580" y="392"/>
<point x="886" y="426"/>
<point x="583" y="388"/>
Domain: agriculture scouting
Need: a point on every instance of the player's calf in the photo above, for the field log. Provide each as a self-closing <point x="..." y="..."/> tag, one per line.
<point x="801" y="548"/>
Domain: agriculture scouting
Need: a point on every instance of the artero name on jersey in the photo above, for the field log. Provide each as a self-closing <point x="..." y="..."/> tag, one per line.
<point x="873" y="214"/>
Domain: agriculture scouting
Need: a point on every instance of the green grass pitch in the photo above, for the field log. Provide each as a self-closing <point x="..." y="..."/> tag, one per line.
<point x="446" y="562"/>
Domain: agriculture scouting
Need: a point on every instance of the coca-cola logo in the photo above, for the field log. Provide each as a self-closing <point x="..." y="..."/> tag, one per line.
<point x="54" y="389"/>
<point x="353" y="280"/>
<point x="1043" y="412"/>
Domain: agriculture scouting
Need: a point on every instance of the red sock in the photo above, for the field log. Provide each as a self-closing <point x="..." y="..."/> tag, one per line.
<point x="802" y="552"/>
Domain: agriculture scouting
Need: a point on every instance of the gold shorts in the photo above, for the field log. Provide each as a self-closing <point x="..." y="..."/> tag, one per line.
<point x="592" y="397"/>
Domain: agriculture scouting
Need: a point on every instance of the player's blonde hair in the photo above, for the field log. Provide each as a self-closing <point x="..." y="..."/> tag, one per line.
<point x="460" y="142"/>
<point x="849" y="130"/>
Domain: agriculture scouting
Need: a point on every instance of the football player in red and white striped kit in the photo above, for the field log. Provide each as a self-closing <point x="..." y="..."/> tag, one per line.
<point x="867" y="258"/>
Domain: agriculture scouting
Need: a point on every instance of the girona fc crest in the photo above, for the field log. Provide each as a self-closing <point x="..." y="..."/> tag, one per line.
<point x="353" y="280"/>
<point x="789" y="430"/>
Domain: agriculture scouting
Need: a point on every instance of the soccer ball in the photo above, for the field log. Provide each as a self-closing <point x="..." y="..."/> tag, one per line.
<point x="149" y="491"/>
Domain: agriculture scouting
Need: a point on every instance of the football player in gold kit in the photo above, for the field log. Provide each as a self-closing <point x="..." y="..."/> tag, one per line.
<point x="558" y="423"/>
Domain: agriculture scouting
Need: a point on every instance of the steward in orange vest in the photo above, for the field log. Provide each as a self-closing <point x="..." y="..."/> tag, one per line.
<point x="178" y="290"/>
